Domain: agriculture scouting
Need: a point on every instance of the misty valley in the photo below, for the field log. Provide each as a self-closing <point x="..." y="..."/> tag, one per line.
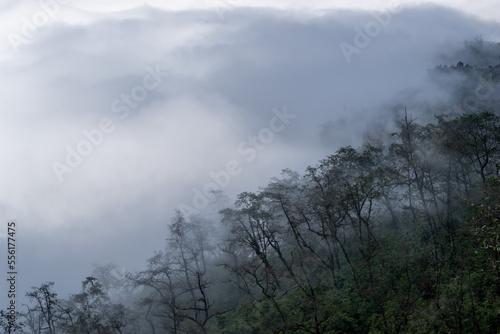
<point x="398" y="235"/>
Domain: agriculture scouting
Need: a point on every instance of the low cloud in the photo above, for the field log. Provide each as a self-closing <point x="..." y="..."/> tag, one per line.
<point x="225" y="79"/>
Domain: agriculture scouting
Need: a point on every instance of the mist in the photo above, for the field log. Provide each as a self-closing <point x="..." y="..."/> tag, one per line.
<point x="112" y="120"/>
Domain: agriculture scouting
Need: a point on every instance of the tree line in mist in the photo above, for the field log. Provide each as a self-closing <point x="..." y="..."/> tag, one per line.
<point x="401" y="238"/>
<point x="400" y="235"/>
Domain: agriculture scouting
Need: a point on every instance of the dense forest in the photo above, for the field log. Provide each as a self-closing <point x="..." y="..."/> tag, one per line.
<point x="400" y="235"/>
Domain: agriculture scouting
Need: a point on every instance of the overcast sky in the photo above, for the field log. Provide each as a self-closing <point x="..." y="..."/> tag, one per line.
<point x="115" y="113"/>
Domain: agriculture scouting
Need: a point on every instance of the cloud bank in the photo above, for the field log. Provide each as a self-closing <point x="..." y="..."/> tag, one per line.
<point x="112" y="119"/>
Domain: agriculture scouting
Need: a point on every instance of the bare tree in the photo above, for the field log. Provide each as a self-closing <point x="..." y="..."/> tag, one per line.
<point x="45" y="313"/>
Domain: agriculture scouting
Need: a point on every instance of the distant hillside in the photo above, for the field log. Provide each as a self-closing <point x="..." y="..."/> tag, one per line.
<point x="476" y="52"/>
<point x="474" y="80"/>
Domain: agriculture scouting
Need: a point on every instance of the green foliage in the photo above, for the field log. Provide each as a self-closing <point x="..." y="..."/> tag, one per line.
<point x="385" y="249"/>
<point x="403" y="239"/>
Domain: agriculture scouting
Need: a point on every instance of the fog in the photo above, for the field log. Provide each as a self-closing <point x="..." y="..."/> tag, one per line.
<point x="115" y="115"/>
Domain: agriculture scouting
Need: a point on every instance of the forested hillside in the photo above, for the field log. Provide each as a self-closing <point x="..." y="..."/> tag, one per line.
<point x="395" y="238"/>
